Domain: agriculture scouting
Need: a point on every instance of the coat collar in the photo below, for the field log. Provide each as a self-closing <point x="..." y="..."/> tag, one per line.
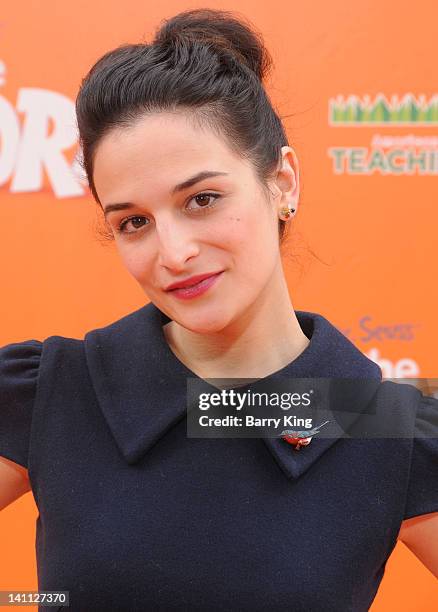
<point x="141" y="385"/>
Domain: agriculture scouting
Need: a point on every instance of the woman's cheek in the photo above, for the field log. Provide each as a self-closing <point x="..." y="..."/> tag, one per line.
<point x="230" y="233"/>
<point x="136" y="263"/>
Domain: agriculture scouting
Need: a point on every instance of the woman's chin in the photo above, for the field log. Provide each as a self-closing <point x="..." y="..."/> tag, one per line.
<point x="202" y="323"/>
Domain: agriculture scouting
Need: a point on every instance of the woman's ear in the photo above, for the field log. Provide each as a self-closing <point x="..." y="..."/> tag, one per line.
<point x="286" y="183"/>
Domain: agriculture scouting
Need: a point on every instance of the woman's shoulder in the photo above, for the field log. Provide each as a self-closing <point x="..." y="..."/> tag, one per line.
<point x="19" y="368"/>
<point x="19" y="363"/>
<point x="422" y="495"/>
<point x="31" y="369"/>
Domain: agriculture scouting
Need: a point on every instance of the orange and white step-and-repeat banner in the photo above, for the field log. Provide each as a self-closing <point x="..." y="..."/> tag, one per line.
<point x="357" y="88"/>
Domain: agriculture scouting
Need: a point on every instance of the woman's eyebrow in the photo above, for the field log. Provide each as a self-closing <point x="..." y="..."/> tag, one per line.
<point x="196" y="178"/>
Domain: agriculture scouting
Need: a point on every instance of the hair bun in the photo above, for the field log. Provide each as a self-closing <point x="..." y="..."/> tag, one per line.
<point x="222" y="30"/>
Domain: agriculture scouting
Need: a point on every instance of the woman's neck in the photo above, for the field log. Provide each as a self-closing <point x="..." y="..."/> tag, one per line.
<point x="263" y="341"/>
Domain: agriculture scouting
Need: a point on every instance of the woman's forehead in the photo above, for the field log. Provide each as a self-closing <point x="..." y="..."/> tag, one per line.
<point x="157" y="136"/>
<point x="160" y="151"/>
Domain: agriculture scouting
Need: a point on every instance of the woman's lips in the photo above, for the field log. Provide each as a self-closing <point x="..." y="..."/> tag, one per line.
<point x="187" y="293"/>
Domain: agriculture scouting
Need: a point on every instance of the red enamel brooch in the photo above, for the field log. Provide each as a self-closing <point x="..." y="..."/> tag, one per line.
<point x="300" y="438"/>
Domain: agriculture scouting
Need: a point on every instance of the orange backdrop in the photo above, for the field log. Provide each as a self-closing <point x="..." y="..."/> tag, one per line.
<point x="357" y="81"/>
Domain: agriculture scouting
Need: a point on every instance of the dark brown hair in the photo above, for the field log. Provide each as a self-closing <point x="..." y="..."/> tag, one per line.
<point x="204" y="62"/>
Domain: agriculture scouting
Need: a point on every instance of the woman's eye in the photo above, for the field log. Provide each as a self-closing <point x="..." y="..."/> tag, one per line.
<point x="204" y="200"/>
<point x="137" y="223"/>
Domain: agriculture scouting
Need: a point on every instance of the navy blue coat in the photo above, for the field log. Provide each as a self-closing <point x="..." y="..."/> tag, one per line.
<point x="134" y="515"/>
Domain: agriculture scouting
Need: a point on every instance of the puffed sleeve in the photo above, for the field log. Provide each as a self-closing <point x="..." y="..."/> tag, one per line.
<point x="19" y="365"/>
<point x="422" y="495"/>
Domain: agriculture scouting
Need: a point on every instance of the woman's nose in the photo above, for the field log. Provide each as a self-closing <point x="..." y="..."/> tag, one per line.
<point x="176" y="245"/>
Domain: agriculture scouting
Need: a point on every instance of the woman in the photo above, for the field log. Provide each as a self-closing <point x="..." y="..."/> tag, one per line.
<point x="192" y="169"/>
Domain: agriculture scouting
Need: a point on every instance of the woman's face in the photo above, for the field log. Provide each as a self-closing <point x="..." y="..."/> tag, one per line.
<point x="166" y="231"/>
